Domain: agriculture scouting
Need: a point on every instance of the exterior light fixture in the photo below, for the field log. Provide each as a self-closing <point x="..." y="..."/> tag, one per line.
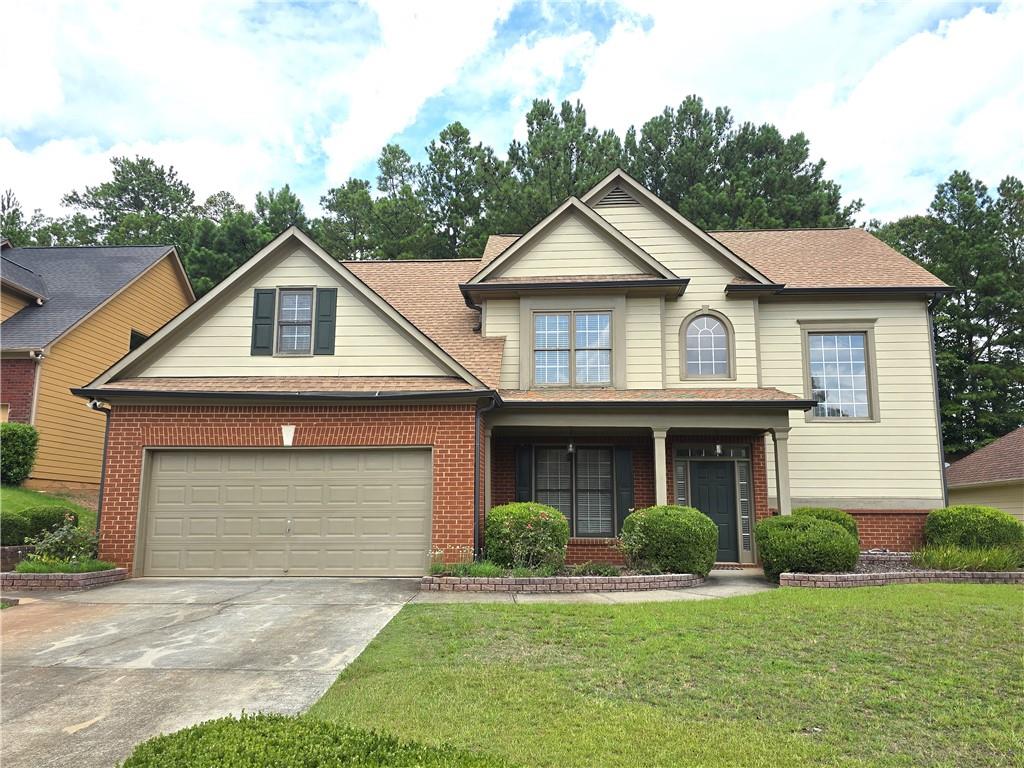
<point x="572" y="449"/>
<point x="718" y="449"/>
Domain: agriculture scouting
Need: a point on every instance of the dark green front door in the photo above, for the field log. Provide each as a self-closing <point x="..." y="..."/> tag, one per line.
<point x="714" y="494"/>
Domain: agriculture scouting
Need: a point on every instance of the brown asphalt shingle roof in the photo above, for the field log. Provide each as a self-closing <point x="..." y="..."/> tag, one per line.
<point x="715" y="395"/>
<point x="427" y="294"/>
<point x="997" y="462"/>
<point x="291" y="384"/>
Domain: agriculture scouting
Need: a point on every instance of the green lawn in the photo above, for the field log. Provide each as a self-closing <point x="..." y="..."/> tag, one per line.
<point x="13" y="499"/>
<point x="924" y="675"/>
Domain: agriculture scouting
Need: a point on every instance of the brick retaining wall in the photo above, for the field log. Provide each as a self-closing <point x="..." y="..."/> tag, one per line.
<point x="60" y="582"/>
<point x="560" y="583"/>
<point x="839" y="580"/>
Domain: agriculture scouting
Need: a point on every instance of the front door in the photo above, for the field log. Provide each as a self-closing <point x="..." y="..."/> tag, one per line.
<point x="714" y="494"/>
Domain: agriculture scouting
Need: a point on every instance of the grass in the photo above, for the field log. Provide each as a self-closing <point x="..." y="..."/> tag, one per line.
<point x="917" y="675"/>
<point x="14" y="499"/>
<point x="87" y="565"/>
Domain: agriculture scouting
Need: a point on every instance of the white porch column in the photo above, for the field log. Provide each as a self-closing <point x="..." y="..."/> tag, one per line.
<point x="487" y="470"/>
<point x="780" y="439"/>
<point x="660" y="467"/>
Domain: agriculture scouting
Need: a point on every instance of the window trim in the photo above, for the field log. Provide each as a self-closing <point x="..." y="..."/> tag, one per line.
<point x="613" y="491"/>
<point x="730" y="343"/>
<point x="865" y="326"/>
<point x="572" y="383"/>
<point x="311" y="289"/>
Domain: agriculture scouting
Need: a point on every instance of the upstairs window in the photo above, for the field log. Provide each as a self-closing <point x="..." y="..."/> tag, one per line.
<point x="838" y="375"/>
<point x="572" y="349"/>
<point x="295" y="322"/>
<point x="707" y="345"/>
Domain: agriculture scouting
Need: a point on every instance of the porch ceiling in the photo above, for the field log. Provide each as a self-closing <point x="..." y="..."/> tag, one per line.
<point x="723" y="397"/>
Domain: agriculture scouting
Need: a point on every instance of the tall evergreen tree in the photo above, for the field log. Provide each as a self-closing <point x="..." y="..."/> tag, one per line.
<point x="279" y="209"/>
<point x="975" y="244"/>
<point x="346" y="229"/>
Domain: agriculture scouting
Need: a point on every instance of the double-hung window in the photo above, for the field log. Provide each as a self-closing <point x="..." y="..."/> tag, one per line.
<point x="572" y="349"/>
<point x="295" y="321"/>
<point x="839" y="375"/>
<point x="580" y="485"/>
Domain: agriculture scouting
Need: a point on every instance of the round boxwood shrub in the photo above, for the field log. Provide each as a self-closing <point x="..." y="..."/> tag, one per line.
<point x="968" y="525"/>
<point x="670" y="539"/>
<point x="14" y="529"/>
<point x="845" y="519"/>
<point x="525" y="534"/>
<point x="17" y="452"/>
<point x="804" y="544"/>
<point x="297" y="742"/>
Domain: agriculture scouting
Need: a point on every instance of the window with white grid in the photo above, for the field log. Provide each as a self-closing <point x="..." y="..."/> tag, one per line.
<point x="839" y="375"/>
<point x="707" y="347"/>
<point x="572" y="348"/>
<point x="295" y="322"/>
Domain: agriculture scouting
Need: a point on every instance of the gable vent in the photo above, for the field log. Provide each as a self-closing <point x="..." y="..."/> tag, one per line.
<point x="616" y="196"/>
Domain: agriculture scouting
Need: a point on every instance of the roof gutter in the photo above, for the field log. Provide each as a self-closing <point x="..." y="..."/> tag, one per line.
<point x="673" y="286"/>
<point x="790" y="405"/>
<point x="94" y="405"/>
<point x="478" y="423"/>
<point x="107" y="394"/>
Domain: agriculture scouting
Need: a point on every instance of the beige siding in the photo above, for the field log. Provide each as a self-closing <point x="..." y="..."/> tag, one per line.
<point x="880" y="462"/>
<point x="644" y="343"/>
<point x="708" y="275"/>
<point x="366" y="343"/>
<point x="502" y="319"/>
<point x="571" y="247"/>
<point x="70" y="435"/>
<point x="1008" y="497"/>
<point x="10" y="304"/>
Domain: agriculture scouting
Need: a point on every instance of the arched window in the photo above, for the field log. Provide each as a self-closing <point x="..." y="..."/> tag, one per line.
<point x="707" y="345"/>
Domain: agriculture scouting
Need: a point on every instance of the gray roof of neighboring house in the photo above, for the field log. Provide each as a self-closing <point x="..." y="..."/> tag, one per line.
<point x="21" y="277"/>
<point x="76" y="281"/>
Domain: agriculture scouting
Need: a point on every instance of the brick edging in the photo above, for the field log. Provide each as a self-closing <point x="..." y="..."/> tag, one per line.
<point x="560" y="583"/>
<point x="60" y="582"/>
<point x="839" y="580"/>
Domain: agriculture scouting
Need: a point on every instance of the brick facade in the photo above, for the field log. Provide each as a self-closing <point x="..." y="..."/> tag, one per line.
<point x="899" y="530"/>
<point x="17" y="382"/>
<point x="448" y="429"/>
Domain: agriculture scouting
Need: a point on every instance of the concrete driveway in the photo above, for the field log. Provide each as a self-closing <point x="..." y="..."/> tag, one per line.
<point x="84" y="677"/>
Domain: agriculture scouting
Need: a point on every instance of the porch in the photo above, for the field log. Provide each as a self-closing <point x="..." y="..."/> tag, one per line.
<point x="598" y="467"/>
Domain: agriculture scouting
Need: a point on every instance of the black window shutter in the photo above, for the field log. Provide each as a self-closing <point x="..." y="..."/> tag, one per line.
<point x="326" y="308"/>
<point x="623" y="484"/>
<point x="524" y="472"/>
<point x="263" y="302"/>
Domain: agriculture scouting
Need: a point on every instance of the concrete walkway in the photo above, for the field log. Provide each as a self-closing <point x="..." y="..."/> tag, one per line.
<point x="87" y="676"/>
<point x="724" y="583"/>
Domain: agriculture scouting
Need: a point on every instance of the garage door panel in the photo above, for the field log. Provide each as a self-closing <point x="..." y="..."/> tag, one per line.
<point x="336" y="512"/>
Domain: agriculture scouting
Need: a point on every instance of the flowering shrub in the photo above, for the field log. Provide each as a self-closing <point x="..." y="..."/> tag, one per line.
<point x="526" y="535"/>
<point x="670" y="539"/>
<point x="66" y="543"/>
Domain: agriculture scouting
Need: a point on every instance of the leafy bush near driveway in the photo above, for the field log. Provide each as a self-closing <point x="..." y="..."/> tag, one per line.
<point x="262" y="740"/>
<point x="670" y="539"/>
<point x="30" y="522"/>
<point x="18" y="443"/>
<point x="526" y="535"/>
<point x="804" y="544"/>
<point x="66" y="543"/>
<point x="953" y="557"/>
<point x="85" y="565"/>
<point x="969" y="525"/>
<point x="845" y="519"/>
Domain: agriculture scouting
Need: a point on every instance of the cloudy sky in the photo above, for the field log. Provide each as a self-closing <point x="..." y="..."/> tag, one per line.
<point x="243" y="96"/>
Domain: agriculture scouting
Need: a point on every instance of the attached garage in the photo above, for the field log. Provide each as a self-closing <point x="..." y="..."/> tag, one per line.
<point x="294" y="512"/>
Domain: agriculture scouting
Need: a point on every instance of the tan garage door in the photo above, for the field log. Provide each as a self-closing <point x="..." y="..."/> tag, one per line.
<point x="336" y="512"/>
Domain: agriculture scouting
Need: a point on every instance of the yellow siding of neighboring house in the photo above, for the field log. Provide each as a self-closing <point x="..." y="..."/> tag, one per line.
<point x="896" y="457"/>
<point x="10" y="304"/>
<point x="708" y="274"/>
<point x="71" y="435"/>
<point x="1008" y="497"/>
<point x="366" y="343"/>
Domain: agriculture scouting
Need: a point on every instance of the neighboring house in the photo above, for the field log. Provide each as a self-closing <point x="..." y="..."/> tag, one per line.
<point x="992" y="476"/>
<point x="67" y="315"/>
<point x="314" y="417"/>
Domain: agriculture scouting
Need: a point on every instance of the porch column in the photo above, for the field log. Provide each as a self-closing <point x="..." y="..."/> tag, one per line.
<point x="487" y="470"/>
<point x="780" y="439"/>
<point x="660" y="467"/>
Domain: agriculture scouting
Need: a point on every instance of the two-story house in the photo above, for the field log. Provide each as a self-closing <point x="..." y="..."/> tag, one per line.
<point x="314" y="417"/>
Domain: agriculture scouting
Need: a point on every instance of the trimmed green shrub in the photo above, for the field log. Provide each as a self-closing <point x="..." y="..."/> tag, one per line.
<point x="804" y="544"/>
<point x="845" y="519"/>
<point x="953" y="557"/>
<point x="67" y="543"/>
<point x="526" y="534"/>
<point x="18" y="444"/>
<point x="87" y="565"/>
<point x="969" y="525"/>
<point x="253" y="741"/>
<point x="14" y="529"/>
<point x="670" y="539"/>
